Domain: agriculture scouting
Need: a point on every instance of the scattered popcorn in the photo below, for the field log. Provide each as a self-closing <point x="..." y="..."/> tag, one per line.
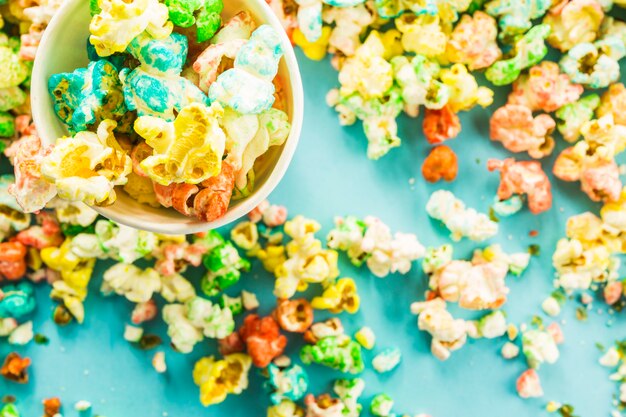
<point x="158" y="362"/>
<point x="133" y="334"/>
<point x="366" y="337"/>
<point x="387" y="360"/>
<point x="510" y="350"/>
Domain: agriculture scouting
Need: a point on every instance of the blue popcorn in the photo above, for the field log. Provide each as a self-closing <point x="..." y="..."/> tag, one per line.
<point x="290" y="383"/>
<point x="17" y="300"/>
<point x="156" y="88"/>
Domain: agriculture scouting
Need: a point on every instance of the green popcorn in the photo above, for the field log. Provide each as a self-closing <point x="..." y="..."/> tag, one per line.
<point x="381" y="405"/>
<point x="205" y="14"/>
<point x="94" y="7"/>
<point x="571" y="117"/>
<point x="529" y="50"/>
<point x="9" y="410"/>
<point x="7" y="125"/>
<point x="235" y="304"/>
<point x="349" y="391"/>
<point x="14" y="71"/>
<point x="11" y="97"/>
<point x="215" y="322"/>
<point x="225" y="266"/>
<point x="337" y="352"/>
<point x="210" y="240"/>
<point x="347" y="236"/>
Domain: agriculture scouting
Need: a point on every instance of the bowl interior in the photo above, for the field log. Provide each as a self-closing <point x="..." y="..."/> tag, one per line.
<point x="63" y="50"/>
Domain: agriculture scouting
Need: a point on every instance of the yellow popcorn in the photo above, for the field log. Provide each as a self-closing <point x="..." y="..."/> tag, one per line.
<point x="367" y="72"/>
<point x="88" y="166"/>
<point x="614" y="214"/>
<point x="307" y="261"/>
<point x="422" y="34"/>
<point x="271" y="257"/>
<point x="141" y="189"/>
<point x="316" y="50"/>
<point x="188" y="150"/>
<point x="365" y="337"/>
<point x="392" y="40"/>
<point x="464" y="90"/>
<point x="121" y="21"/>
<point x="339" y="296"/>
<point x="578" y="21"/>
<point x="245" y="235"/>
<point x="286" y="408"/>
<point x="75" y="275"/>
<point x="218" y="378"/>
<point x="605" y="138"/>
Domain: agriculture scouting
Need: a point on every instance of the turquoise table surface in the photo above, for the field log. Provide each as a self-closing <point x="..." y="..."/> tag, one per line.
<point x="330" y="176"/>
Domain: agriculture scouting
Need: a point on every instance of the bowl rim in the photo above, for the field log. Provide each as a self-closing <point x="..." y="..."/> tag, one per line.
<point x="267" y="16"/>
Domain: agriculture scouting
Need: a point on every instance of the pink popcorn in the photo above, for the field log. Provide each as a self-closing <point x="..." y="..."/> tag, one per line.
<point x="473" y="41"/>
<point x="144" y="312"/>
<point x="524" y="177"/>
<point x="599" y="177"/>
<point x="256" y="215"/>
<point x="544" y="88"/>
<point x="573" y="22"/>
<point x="173" y="258"/>
<point x="613" y="292"/>
<point x="46" y="235"/>
<point x="30" y="42"/>
<point x="272" y="215"/>
<point x="226" y="44"/>
<point x="31" y="190"/>
<point x="528" y="385"/>
<point x="515" y="127"/>
<point x="556" y="332"/>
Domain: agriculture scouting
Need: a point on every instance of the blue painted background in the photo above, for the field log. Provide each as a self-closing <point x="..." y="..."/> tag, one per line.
<point x="331" y="176"/>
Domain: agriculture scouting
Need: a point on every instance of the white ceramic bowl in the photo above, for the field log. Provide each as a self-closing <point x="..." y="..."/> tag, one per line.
<point x="62" y="49"/>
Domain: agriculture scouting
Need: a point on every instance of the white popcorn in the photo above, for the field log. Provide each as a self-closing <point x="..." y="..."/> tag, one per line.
<point x="460" y="220"/>
<point x="539" y="346"/>
<point x="158" y="362"/>
<point x="133" y="334"/>
<point x="551" y="307"/>
<point x="510" y="350"/>
<point x="22" y="334"/>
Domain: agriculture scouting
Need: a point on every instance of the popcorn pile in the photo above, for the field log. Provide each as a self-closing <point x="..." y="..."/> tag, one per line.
<point x="142" y="119"/>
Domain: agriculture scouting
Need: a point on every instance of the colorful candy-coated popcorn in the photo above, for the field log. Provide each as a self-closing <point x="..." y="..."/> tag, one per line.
<point x="544" y="88"/>
<point x="515" y="127"/>
<point x="17" y="300"/>
<point x="294" y="315"/>
<point x="349" y="391"/>
<point x="310" y="15"/>
<point x="224" y="268"/>
<point x="441" y="125"/>
<point x="464" y="90"/>
<point x="12" y="260"/>
<point x="73" y="214"/>
<point x="226" y="44"/>
<point x="339" y="296"/>
<point x="418" y="79"/>
<point x="175" y="257"/>
<point x="22" y="335"/>
<point x="388" y="9"/>
<point x="307" y="261"/>
<point x="78" y="171"/>
<point x="245" y="235"/>
<point x="119" y="22"/>
<point x="191" y="147"/>
<point x="473" y="41"/>
<point x="205" y="14"/>
<point x="571" y="117"/>
<point x="231" y="344"/>
<point x="285" y="409"/>
<point x="350" y="23"/>
<point x="461" y="221"/>
<point x="529" y="50"/>
<point x="370" y="241"/>
<point x="378" y="116"/>
<point x="577" y="21"/>
<point x="381" y="405"/>
<point x="514" y="16"/>
<point x="523" y="177"/>
<point x="330" y="327"/>
<point x="492" y="325"/>
<point x="9" y="410"/>
<point x="613" y="101"/>
<point x="234" y="304"/>
<point x="272" y="257"/>
<point x="448" y="334"/>
<point x="366" y="337"/>
<point x="10" y="98"/>
<point x="289" y="383"/>
<point x="189" y="322"/>
<point x="441" y="163"/>
<point x="14" y="70"/>
<point x="387" y="360"/>
<point x="219" y="378"/>
<point x="15" y="369"/>
<point x="271" y="215"/>
<point x="31" y="191"/>
<point x="528" y="385"/>
<point x="316" y="50"/>
<point x="247" y="87"/>
<point x="337" y="352"/>
<point x="596" y="64"/>
<point x="539" y="346"/>
<point x="506" y="208"/>
<point x="250" y="136"/>
<point x="155" y="87"/>
<point x="477" y="284"/>
<point x="135" y="284"/>
<point x="263" y="339"/>
<point x="422" y="34"/>
<point x="323" y="406"/>
<point x="591" y="161"/>
<point x="144" y="312"/>
<point x="88" y="96"/>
